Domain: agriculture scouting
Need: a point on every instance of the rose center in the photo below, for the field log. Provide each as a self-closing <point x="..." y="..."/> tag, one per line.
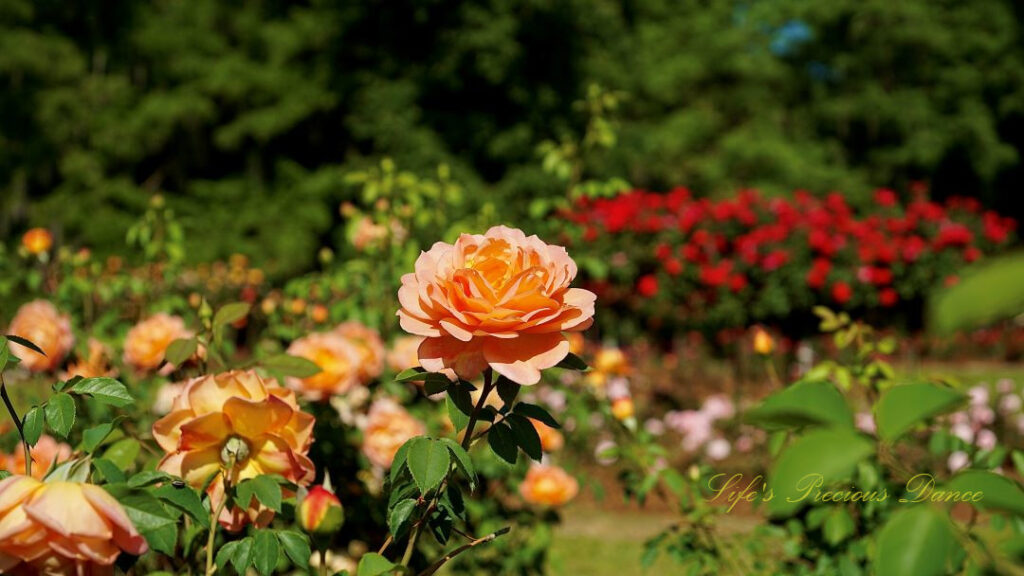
<point x="235" y="452"/>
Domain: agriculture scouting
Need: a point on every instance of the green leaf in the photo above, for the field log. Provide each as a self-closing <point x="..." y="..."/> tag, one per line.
<point x="459" y="419"/>
<point x="428" y="461"/>
<point x="526" y="435"/>
<point x="902" y="407"/>
<point x="296" y="546"/>
<point x="147" y="477"/>
<point x="32" y="425"/>
<point x="399" y="460"/>
<point x="537" y="413"/>
<point x="225" y="554"/>
<point x="995" y="492"/>
<point x="374" y="564"/>
<point x="243" y="555"/>
<point x="916" y="540"/>
<point x="507" y="391"/>
<point x="186" y="499"/>
<point x="266" y="490"/>
<point x="163" y="539"/>
<point x="433" y="382"/>
<point x="26" y="343"/>
<point x="93" y="437"/>
<point x="400" y="517"/>
<point x="105" y="390"/>
<point x="288" y="365"/>
<point x="805" y="403"/>
<point x="503" y="442"/>
<point x="230" y="313"/>
<point x="179" y="351"/>
<point x="123" y="453"/>
<point x="838" y="526"/>
<point x="265" y="551"/>
<point x="5" y="354"/>
<point x="110" y="472"/>
<point x="145" y="510"/>
<point x="572" y="362"/>
<point x="827" y="454"/>
<point x="60" y="414"/>
<point x="462" y="461"/>
<point x="70" y="471"/>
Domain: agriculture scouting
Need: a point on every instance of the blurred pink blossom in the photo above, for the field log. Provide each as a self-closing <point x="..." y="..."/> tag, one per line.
<point x="986" y="439"/>
<point x="957" y="460"/>
<point x="979" y="395"/>
<point x="718" y="407"/>
<point x="718" y="449"/>
<point x="865" y="422"/>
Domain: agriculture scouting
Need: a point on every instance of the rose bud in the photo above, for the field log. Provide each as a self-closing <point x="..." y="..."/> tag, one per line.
<point x="320" y="511"/>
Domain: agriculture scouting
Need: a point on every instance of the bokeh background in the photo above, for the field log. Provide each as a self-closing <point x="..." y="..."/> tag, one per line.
<point x="717" y="168"/>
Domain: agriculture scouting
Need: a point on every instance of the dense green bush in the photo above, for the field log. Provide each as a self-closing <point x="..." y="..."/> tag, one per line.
<point x="239" y="110"/>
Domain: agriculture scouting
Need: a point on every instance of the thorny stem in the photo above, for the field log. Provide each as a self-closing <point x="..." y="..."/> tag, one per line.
<point x="17" y="424"/>
<point x="444" y="559"/>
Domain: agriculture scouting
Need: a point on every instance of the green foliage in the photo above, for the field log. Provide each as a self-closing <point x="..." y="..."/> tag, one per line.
<point x="902" y="407"/>
<point x="986" y="293"/>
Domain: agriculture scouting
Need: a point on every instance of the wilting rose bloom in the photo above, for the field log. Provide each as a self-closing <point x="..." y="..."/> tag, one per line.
<point x="551" y="440"/>
<point x="388" y="426"/>
<point x="62" y="528"/>
<point x="404" y="353"/>
<point x="370" y="346"/>
<point x="237" y="425"/>
<point x="39" y="322"/>
<point x="147" y="341"/>
<point x="338" y="360"/>
<point x="37" y="240"/>
<point x="95" y="365"/>
<point x="45" y="453"/>
<point x="499" y="300"/>
<point x="548" y="486"/>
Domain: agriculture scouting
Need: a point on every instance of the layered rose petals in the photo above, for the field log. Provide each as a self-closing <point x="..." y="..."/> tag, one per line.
<point x="235" y="412"/>
<point x="388" y="426"/>
<point x="62" y="528"/>
<point x="147" y="341"/>
<point x="548" y="486"/>
<point x="339" y="361"/>
<point x="500" y="300"/>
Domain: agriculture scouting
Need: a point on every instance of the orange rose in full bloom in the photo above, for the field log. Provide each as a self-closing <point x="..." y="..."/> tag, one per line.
<point x="146" y="342"/>
<point x="45" y="453"/>
<point x="239" y="426"/>
<point x="37" y="240"/>
<point x="338" y="360"/>
<point x="388" y="426"/>
<point x="62" y="528"/>
<point x="39" y="322"/>
<point x="548" y="486"/>
<point x="370" y="346"/>
<point x="500" y="300"/>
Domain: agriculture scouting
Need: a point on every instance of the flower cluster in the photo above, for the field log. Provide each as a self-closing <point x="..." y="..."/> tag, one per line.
<point x="763" y="256"/>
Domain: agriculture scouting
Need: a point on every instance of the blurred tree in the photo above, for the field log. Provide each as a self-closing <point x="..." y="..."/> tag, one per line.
<point x="247" y="115"/>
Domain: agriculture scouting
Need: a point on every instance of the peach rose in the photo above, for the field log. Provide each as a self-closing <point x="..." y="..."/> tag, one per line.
<point x="37" y="240"/>
<point x="95" y="365"/>
<point x="548" y="486"/>
<point x="404" y="353"/>
<point x="338" y="360"/>
<point x="610" y="360"/>
<point x="45" y="453"/>
<point x="551" y="440"/>
<point x="39" y="322"/>
<point x="146" y="342"/>
<point x="371" y="348"/>
<point x="500" y="300"/>
<point x="62" y="528"/>
<point x="235" y="413"/>
<point x="388" y="426"/>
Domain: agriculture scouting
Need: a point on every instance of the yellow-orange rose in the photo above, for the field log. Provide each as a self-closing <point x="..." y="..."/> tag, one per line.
<point x="37" y="240"/>
<point x="95" y="365"/>
<point x="39" y="322"/>
<point x="404" y="353"/>
<point x="551" y="440"/>
<point x="45" y="453"/>
<point x="146" y="342"/>
<point x="235" y="413"/>
<point x="62" y="528"/>
<point x="576" y="342"/>
<point x="388" y="426"/>
<point x="611" y="361"/>
<point x="370" y="346"/>
<point x="500" y="300"/>
<point x="548" y="486"/>
<point x="338" y="360"/>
